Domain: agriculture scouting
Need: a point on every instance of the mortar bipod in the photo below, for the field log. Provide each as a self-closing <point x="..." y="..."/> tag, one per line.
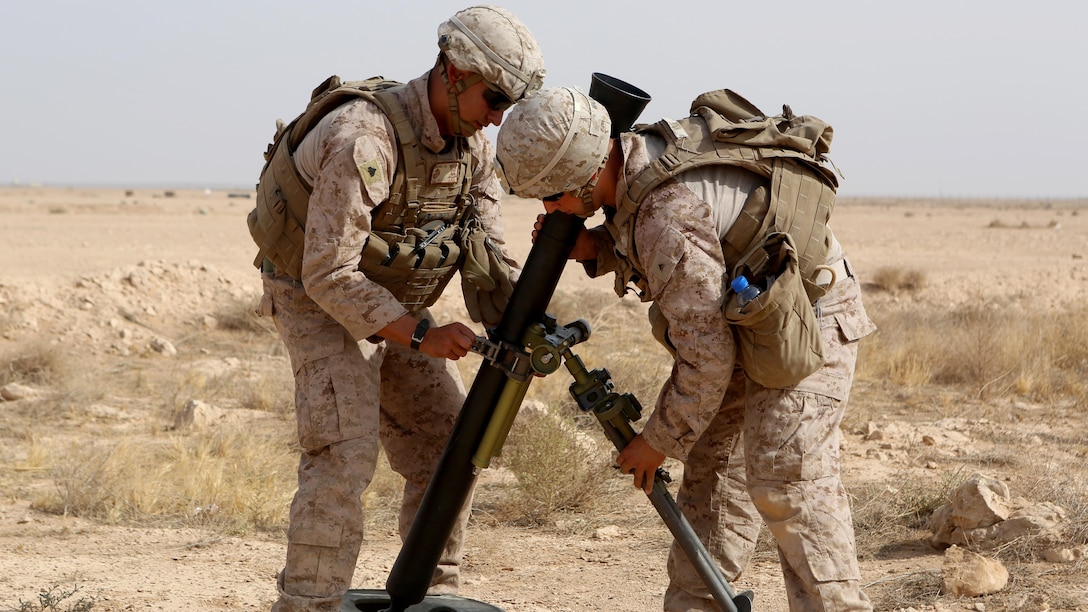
<point x="547" y="345"/>
<point x="594" y="392"/>
<point x="541" y="353"/>
<point x="544" y="344"/>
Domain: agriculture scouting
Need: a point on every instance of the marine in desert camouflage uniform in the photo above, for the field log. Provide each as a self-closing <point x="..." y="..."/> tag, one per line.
<point x="749" y="452"/>
<point x="351" y="394"/>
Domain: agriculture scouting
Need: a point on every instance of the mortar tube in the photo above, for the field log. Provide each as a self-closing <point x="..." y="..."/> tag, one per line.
<point x="454" y="477"/>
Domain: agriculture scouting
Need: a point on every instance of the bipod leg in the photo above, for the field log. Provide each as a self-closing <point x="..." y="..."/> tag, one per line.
<point x="593" y="391"/>
<point x="699" y="556"/>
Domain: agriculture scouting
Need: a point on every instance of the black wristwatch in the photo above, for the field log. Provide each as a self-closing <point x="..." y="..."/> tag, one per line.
<point x="421" y="330"/>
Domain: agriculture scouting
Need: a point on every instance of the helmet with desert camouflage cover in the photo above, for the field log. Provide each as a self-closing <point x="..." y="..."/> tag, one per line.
<point x="491" y="42"/>
<point x="553" y="142"/>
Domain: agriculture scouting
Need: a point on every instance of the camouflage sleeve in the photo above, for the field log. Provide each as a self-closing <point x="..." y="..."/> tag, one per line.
<point x="357" y="163"/>
<point x="605" y="247"/>
<point x="679" y="249"/>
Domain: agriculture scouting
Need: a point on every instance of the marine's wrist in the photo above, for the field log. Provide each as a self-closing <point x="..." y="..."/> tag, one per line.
<point x="420" y="332"/>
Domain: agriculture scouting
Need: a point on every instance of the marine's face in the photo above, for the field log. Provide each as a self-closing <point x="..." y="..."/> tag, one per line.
<point x="480" y="106"/>
<point x="569" y="202"/>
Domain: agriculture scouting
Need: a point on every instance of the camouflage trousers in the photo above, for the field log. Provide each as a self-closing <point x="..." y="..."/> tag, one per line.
<point x="349" y="398"/>
<point x="772" y="455"/>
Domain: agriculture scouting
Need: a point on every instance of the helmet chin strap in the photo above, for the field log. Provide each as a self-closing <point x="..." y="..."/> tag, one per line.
<point x="458" y="126"/>
<point x="586" y="193"/>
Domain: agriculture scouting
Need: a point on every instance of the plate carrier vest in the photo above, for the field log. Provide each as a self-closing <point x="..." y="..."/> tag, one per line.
<point x="724" y="128"/>
<point x="414" y="246"/>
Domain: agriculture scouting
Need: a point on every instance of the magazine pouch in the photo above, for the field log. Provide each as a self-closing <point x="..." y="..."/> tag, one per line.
<point x="778" y="334"/>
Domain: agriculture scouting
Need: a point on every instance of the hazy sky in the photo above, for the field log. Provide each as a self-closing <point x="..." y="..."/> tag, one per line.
<point x="927" y="97"/>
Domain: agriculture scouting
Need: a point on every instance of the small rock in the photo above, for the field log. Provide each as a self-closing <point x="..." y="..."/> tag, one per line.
<point x="12" y="392"/>
<point x="161" y="345"/>
<point x="1064" y="555"/>
<point x="967" y="574"/>
<point x="198" y="415"/>
<point x="606" y="533"/>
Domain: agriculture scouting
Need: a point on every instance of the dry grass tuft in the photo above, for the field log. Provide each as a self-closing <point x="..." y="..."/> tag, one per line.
<point x="263" y="389"/>
<point x="905" y="591"/>
<point x="381" y="500"/>
<point x="36" y="363"/>
<point x="896" y="280"/>
<point x="988" y="350"/>
<point x="268" y="393"/>
<point x="241" y="316"/>
<point x="1064" y="484"/>
<point x="228" y="478"/>
<point x="886" y="513"/>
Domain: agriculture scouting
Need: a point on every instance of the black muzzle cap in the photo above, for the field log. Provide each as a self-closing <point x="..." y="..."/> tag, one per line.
<point x="623" y="101"/>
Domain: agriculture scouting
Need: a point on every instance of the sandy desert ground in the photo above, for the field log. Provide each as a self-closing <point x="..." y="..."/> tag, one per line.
<point x="63" y="251"/>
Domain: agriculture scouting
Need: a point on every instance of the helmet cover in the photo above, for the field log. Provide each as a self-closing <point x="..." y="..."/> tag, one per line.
<point x="493" y="43"/>
<point x="553" y="142"/>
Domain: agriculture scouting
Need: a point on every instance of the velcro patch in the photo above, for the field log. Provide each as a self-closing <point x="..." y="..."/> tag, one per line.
<point x="371" y="172"/>
<point x="446" y="173"/>
<point x="667" y="252"/>
<point x="369" y="163"/>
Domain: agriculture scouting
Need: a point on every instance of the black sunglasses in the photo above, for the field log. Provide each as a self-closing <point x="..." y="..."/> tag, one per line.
<point x="496" y="100"/>
<point x="552" y="198"/>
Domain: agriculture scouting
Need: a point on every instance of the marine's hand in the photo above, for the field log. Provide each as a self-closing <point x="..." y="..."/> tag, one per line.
<point x="450" y="341"/>
<point x="641" y="460"/>
<point x="538" y="226"/>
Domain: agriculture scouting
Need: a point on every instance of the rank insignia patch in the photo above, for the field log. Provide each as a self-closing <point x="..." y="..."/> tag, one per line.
<point x="371" y="172"/>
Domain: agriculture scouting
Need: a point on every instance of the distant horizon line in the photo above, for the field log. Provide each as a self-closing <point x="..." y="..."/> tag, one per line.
<point x="223" y="186"/>
<point x="133" y="185"/>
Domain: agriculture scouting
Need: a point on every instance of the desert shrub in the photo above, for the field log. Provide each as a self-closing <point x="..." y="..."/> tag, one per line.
<point x="898" y="354"/>
<point x="58" y="599"/>
<point x="1064" y="362"/>
<point x="87" y="479"/>
<point x="984" y="348"/>
<point x="558" y="469"/>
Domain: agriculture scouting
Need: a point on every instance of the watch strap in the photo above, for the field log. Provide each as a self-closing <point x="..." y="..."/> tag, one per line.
<point x="421" y="330"/>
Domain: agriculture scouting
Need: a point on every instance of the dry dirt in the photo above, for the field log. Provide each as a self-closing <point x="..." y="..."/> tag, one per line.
<point x="77" y="264"/>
